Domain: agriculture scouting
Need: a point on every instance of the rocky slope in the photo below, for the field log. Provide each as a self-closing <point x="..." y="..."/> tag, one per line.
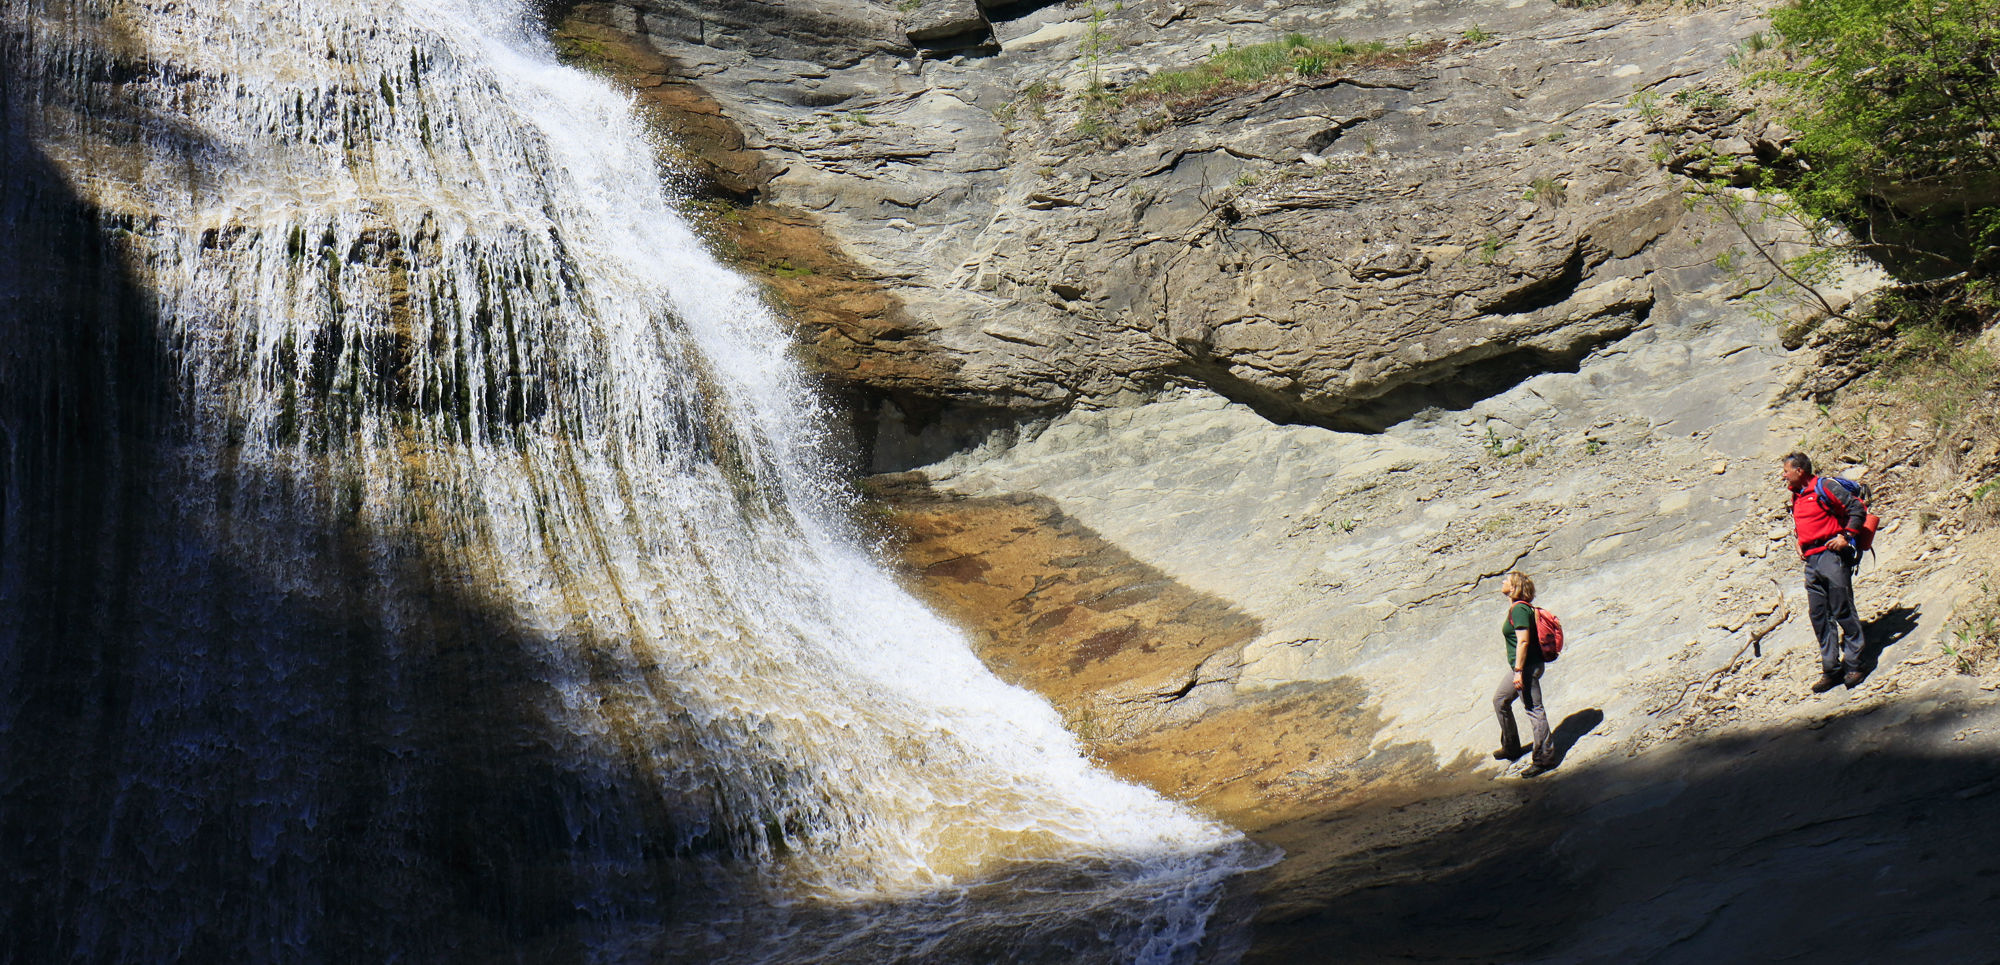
<point x="1219" y="418"/>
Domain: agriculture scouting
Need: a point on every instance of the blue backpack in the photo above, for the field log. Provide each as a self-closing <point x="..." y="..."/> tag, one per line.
<point x="1834" y="508"/>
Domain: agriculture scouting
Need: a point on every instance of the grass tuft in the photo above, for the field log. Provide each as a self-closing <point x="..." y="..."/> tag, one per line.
<point x="1291" y="57"/>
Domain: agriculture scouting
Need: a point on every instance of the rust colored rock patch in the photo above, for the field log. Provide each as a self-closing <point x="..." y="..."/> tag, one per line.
<point x="1279" y="756"/>
<point x="1142" y="666"/>
<point x="700" y="137"/>
<point x="1055" y="608"/>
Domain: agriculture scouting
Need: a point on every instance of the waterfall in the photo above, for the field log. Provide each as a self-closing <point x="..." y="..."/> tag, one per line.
<point x="416" y="547"/>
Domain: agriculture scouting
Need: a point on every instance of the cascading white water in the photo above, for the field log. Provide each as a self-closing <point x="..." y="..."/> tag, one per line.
<point x="453" y="444"/>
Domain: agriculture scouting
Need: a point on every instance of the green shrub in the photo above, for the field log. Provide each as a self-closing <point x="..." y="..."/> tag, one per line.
<point x="1897" y="106"/>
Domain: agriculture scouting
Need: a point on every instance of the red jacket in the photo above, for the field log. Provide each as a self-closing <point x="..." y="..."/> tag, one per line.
<point x="1815" y="525"/>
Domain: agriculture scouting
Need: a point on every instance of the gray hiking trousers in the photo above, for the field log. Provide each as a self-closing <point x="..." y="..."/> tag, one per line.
<point x="1538" y="713"/>
<point x="1830" y="604"/>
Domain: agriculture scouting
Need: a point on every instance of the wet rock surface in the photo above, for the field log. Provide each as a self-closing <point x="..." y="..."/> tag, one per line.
<point x="857" y="331"/>
<point x="1144" y="668"/>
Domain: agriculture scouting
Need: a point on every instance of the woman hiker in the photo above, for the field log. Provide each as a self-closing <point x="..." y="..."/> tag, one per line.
<point x="1524" y="678"/>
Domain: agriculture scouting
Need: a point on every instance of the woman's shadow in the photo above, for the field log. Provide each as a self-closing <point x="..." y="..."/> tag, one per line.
<point x="1572" y="730"/>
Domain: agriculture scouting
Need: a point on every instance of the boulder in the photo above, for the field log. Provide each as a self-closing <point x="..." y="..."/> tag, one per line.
<point x="931" y="22"/>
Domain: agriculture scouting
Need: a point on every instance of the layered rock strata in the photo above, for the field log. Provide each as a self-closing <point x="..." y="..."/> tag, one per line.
<point x="1338" y="250"/>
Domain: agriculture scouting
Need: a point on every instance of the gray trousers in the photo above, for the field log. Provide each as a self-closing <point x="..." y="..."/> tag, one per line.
<point x="1830" y="604"/>
<point x="1538" y="713"/>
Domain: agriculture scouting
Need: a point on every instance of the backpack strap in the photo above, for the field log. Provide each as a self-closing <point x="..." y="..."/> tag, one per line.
<point x="1835" y="506"/>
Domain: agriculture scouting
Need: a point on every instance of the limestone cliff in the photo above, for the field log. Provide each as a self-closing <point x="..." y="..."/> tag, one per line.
<point x="1219" y="418"/>
<point x="1337" y="251"/>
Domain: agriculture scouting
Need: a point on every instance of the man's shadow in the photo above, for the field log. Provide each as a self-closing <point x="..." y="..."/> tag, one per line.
<point x="1884" y="631"/>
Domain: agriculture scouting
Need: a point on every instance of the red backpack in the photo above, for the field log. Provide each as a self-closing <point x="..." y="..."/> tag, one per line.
<point x="1548" y="633"/>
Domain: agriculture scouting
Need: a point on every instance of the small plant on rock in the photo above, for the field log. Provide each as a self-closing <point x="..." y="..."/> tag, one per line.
<point x="1702" y="99"/>
<point x="1647" y="104"/>
<point x="1976" y="630"/>
<point x="1293" y="56"/>
<point x="1546" y="191"/>
<point x="1500" y="448"/>
<point x="1037" y="96"/>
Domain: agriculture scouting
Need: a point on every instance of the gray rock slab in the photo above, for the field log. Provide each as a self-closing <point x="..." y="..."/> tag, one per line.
<point x="1379" y="555"/>
<point x="1314" y="249"/>
<point x="935" y="20"/>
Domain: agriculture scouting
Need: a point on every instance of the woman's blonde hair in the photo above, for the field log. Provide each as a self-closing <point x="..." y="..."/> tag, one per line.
<point x="1518" y="586"/>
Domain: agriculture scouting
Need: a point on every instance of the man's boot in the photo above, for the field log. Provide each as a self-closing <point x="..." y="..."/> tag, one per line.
<point x="1827" y="681"/>
<point x="1853" y="678"/>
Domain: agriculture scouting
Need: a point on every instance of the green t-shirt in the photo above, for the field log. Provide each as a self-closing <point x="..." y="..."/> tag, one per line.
<point x="1521" y="616"/>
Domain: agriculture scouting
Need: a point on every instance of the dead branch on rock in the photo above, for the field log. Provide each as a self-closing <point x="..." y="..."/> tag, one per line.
<point x="1751" y="646"/>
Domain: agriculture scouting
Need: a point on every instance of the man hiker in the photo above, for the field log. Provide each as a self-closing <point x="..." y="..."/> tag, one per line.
<point x="1828" y="520"/>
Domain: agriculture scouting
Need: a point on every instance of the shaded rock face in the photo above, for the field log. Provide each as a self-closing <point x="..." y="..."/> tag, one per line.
<point x="1342" y="251"/>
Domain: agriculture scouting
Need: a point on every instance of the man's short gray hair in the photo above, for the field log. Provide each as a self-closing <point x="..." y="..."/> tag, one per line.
<point x="1799" y="461"/>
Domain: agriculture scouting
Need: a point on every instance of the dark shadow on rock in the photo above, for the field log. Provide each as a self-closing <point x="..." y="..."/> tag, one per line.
<point x="1884" y="632"/>
<point x="198" y="762"/>
<point x="1572" y="730"/>
<point x="1445" y="385"/>
<point x="1458" y="384"/>
<point x="1729" y="850"/>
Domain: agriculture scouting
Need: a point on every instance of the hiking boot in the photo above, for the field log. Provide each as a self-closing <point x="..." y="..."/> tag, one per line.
<point x="1853" y="679"/>
<point x="1535" y="770"/>
<point x="1504" y="754"/>
<point x="1827" y="681"/>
